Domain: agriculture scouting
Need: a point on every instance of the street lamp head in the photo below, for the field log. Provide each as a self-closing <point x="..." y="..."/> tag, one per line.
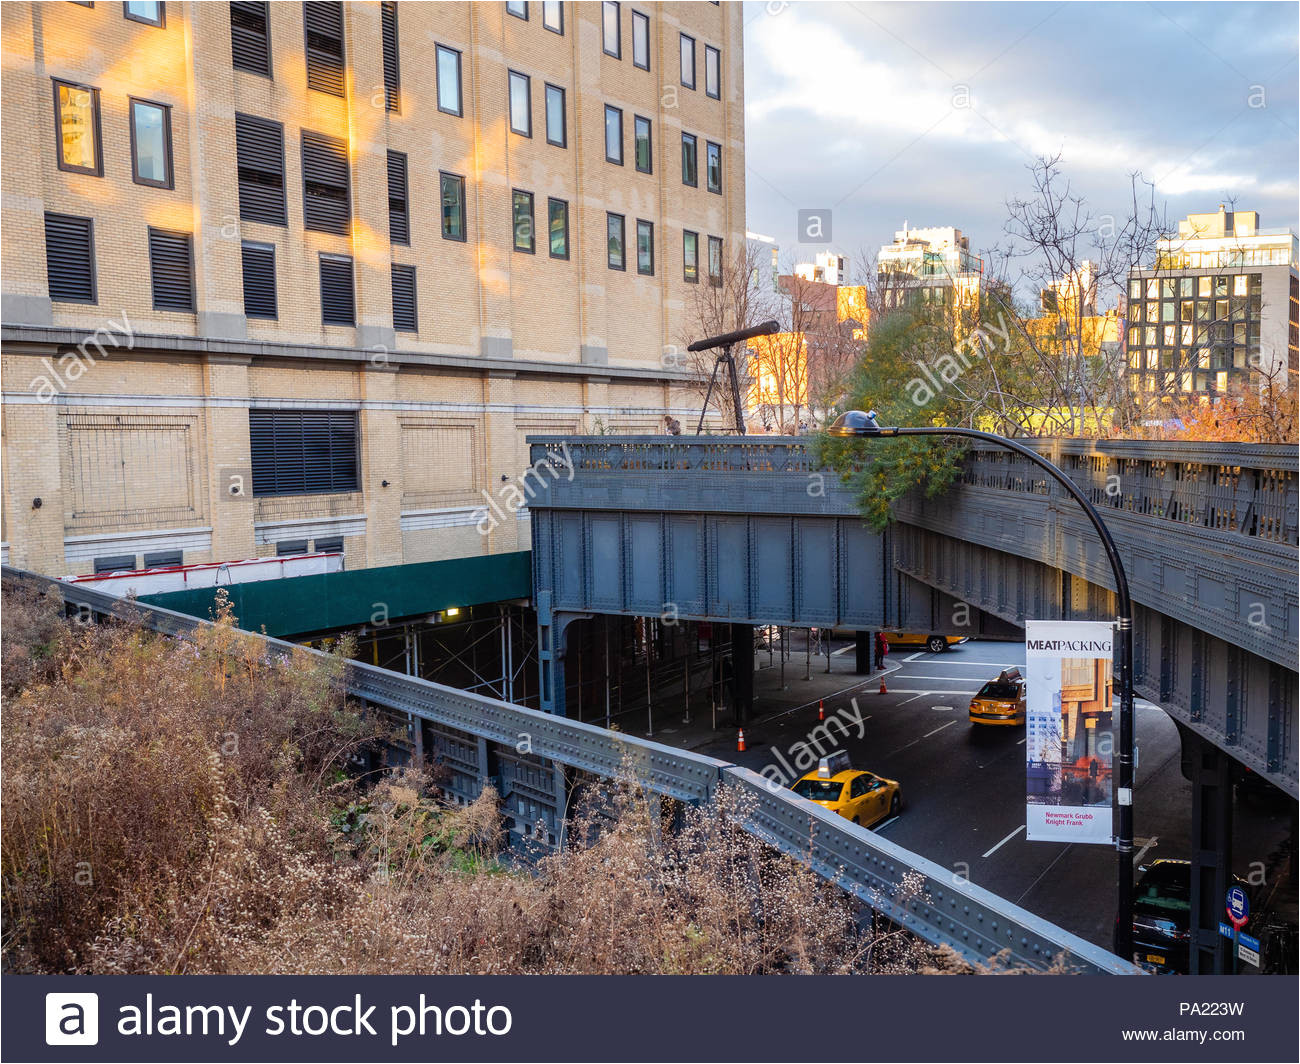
<point x="855" y="423"/>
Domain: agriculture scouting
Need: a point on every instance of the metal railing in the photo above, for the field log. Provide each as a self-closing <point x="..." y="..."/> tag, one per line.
<point x="1243" y="489"/>
<point x="918" y="894"/>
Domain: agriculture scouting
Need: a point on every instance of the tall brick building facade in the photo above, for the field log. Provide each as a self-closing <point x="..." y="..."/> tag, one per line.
<point x="282" y="277"/>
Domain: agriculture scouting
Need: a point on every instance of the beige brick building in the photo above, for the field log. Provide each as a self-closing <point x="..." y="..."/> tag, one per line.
<point x="337" y="316"/>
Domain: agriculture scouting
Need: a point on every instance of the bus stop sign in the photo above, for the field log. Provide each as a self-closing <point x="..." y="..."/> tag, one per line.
<point x="1237" y="907"/>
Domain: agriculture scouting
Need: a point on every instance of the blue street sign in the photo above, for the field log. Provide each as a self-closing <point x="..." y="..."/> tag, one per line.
<point x="1237" y="906"/>
<point x="1225" y="929"/>
<point x="1249" y="942"/>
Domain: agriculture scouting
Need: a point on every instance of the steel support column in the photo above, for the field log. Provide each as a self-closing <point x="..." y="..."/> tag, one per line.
<point x="742" y="671"/>
<point x="862" y="652"/>
<point x="1210" y="771"/>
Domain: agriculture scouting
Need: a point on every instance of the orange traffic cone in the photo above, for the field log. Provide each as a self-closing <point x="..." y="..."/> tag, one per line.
<point x="883" y="689"/>
<point x="740" y="740"/>
<point x="821" y="709"/>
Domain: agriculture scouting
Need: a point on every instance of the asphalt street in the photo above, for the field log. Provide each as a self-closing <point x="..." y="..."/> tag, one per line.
<point x="963" y="785"/>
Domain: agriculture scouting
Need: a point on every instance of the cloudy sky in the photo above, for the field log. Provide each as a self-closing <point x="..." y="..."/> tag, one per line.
<point x="931" y="112"/>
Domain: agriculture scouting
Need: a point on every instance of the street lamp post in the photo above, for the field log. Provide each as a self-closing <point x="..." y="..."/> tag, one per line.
<point x="856" y="423"/>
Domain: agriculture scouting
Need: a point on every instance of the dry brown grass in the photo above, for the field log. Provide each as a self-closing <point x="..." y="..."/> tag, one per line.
<point x="185" y="807"/>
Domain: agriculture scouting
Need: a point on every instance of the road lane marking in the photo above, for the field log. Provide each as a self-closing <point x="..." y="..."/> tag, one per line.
<point x="943" y="709"/>
<point x="927" y="691"/>
<point x="881" y="827"/>
<point x="946" y="679"/>
<point x="1020" y="742"/>
<point x="964" y="664"/>
<point x="938" y="729"/>
<point x="919" y="694"/>
<point x="1005" y="841"/>
<point x="913" y="657"/>
<point x="843" y="650"/>
<point x="1147" y="844"/>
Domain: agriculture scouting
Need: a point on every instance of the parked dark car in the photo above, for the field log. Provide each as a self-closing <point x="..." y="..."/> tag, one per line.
<point x="1162" y="916"/>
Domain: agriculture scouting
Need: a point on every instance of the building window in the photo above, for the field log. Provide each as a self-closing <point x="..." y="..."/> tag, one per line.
<point x="332" y="545"/>
<point x="689" y="171"/>
<point x="171" y="269"/>
<point x="326" y="189"/>
<point x="715" y="261"/>
<point x="557" y="220"/>
<point x="521" y="104"/>
<point x="259" y="280"/>
<point x="452" y="194"/>
<point x="518" y="8"/>
<point x="303" y="452"/>
<point x="164" y="559"/>
<point x="392" y="68"/>
<point x="399" y="208"/>
<point x="289" y="548"/>
<point x="448" y="79"/>
<point x="713" y="166"/>
<point x="76" y="124"/>
<point x="338" y="305"/>
<point x="323" y="21"/>
<point x="712" y="72"/>
<point x="553" y="16"/>
<point x="641" y="146"/>
<point x="70" y="258"/>
<point x="556" y="131"/>
<point x="645" y="248"/>
<point x="613" y="135"/>
<point x="151" y="14"/>
<point x="114" y="563"/>
<point x="690" y="256"/>
<point x="688" y="61"/>
<point x="522" y="208"/>
<point x="614" y="228"/>
<point x="250" y="38"/>
<point x="259" y="156"/>
<point x="404" y="315"/>
<point x="611" y="30"/>
<point x="640" y="40"/>
<point x="151" y="143"/>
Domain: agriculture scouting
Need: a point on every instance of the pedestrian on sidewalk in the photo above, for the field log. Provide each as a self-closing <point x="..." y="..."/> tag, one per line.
<point x="882" y="648"/>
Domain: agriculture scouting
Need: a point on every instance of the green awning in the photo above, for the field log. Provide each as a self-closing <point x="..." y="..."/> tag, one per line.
<point x="324" y="602"/>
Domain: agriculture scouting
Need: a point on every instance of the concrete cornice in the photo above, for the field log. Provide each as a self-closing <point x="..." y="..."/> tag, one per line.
<point x="38" y="339"/>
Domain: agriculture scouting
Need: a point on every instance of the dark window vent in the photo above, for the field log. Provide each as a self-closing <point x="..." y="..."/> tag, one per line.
<point x="404" y="315"/>
<point x="259" y="154"/>
<point x="70" y="258"/>
<point x="303" y="452"/>
<point x="171" y="266"/>
<point x="326" y="193"/>
<point x="323" y="20"/>
<point x="250" y="38"/>
<point x="259" y="281"/>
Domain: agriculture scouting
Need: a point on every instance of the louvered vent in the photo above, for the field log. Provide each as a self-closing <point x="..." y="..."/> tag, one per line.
<point x="70" y="258"/>
<point x="171" y="266"/>
<point x="259" y="153"/>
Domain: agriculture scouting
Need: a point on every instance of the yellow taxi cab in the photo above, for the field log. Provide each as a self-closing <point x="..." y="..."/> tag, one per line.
<point x="932" y="641"/>
<point x="1000" y="701"/>
<point x="856" y="795"/>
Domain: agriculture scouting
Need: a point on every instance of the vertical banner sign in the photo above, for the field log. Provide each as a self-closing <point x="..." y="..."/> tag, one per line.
<point x="1069" y="740"/>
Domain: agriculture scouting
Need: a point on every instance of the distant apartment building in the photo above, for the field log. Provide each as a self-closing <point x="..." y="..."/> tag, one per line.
<point x="826" y="268"/>
<point x="791" y="372"/>
<point x="1218" y="309"/>
<point x="282" y="278"/>
<point x="765" y="266"/>
<point x="929" y="266"/>
<point x="1071" y="319"/>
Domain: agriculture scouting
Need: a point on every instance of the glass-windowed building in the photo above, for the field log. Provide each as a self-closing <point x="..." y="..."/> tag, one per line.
<point x="1218" y="310"/>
